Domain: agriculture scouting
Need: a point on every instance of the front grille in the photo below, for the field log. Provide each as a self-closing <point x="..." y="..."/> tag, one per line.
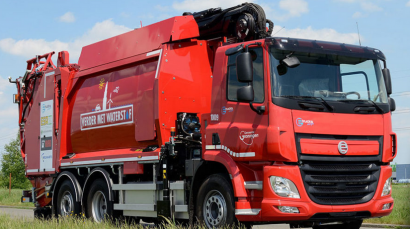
<point x="340" y="183"/>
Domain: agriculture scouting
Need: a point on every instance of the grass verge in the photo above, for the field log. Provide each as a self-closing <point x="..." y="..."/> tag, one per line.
<point x="401" y="210"/>
<point x="81" y="222"/>
<point x="13" y="199"/>
<point x="400" y="214"/>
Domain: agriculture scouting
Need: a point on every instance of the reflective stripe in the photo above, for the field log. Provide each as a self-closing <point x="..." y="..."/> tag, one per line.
<point x="210" y="147"/>
<point x="229" y="151"/>
<point x="251" y="211"/>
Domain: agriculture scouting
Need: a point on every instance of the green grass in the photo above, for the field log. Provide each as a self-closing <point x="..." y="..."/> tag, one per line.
<point x="400" y="214"/>
<point x="13" y="199"/>
<point x="79" y="222"/>
<point x="401" y="210"/>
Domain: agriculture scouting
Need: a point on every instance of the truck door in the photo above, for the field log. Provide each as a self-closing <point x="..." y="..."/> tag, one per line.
<point x="39" y="130"/>
<point x="245" y="135"/>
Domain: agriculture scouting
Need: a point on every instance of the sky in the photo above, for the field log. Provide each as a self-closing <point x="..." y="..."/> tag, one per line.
<point x="32" y="28"/>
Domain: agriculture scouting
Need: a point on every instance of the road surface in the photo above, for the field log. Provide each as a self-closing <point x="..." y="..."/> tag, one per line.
<point x="28" y="214"/>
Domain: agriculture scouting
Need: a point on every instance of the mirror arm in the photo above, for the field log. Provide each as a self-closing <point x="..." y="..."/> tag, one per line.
<point x="260" y="110"/>
<point x="252" y="44"/>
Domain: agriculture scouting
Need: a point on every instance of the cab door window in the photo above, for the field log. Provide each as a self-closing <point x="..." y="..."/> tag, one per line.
<point x="258" y="86"/>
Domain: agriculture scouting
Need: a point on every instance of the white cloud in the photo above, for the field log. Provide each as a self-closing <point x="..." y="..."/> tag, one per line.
<point x="3" y="83"/>
<point x="294" y="7"/>
<point x="408" y="4"/>
<point x="370" y="7"/>
<point x="199" y="5"/>
<point x="286" y="9"/>
<point x="317" y="34"/>
<point x="31" y="47"/>
<point x="7" y="113"/>
<point x="67" y="17"/>
<point x="357" y="15"/>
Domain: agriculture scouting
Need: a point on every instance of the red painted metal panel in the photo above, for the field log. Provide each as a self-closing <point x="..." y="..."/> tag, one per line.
<point x="330" y="147"/>
<point x="338" y="124"/>
<point x="114" y="110"/>
<point x="184" y="83"/>
<point x="138" y="41"/>
<point x="132" y="167"/>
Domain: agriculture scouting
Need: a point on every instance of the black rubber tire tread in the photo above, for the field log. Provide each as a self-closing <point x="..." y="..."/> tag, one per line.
<point x="67" y="186"/>
<point x="346" y="225"/>
<point x="99" y="185"/>
<point x="220" y="183"/>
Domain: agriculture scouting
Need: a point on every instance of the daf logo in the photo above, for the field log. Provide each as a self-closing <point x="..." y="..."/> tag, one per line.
<point x="343" y="148"/>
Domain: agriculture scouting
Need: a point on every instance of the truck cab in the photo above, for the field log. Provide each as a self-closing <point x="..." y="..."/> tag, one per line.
<point x="307" y="129"/>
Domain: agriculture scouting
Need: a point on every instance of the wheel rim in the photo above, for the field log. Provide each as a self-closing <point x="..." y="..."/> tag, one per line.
<point x="99" y="206"/>
<point x="214" y="209"/>
<point x="66" y="204"/>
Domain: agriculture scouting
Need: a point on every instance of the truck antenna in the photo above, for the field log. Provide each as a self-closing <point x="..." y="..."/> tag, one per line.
<point x="279" y="31"/>
<point x="358" y="34"/>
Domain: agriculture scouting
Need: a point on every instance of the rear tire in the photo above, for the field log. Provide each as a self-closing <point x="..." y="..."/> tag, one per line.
<point x="351" y="225"/>
<point x="215" y="202"/>
<point x="99" y="208"/>
<point x="67" y="204"/>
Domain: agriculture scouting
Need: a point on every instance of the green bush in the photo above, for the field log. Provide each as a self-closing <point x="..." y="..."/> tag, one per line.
<point x="13" y="163"/>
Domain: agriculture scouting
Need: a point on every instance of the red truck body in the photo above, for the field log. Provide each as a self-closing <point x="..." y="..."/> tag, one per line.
<point x="111" y="113"/>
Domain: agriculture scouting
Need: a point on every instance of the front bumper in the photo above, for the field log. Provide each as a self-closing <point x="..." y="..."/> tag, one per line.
<point x="266" y="209"/>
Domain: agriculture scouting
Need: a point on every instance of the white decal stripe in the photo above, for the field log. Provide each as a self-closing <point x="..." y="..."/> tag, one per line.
<point x="154" y="52"/>
<point x="210" y="147"/>
<point x="229" y="151"/>
<point x="159" y="62"/>
<point x="148" y="158"/>
<point x="32" y="170"/>
<point x="115" y="124"/>
<point x="248" y="154"/>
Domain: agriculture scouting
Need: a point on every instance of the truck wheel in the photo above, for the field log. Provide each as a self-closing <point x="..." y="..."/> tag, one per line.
<point x="215" y="202"/>
<point x="98" y="205"/>
<point x="351" y="225"/>
<point x="67" y="203"/>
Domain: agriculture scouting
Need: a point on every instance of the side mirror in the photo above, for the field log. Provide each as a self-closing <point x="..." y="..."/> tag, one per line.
<point x="387" y="80"/>
<point x="291" y="61"/>
<point x="392" y="104"/>
<point x="244" y="67"/>
<point x="245" y="94"/>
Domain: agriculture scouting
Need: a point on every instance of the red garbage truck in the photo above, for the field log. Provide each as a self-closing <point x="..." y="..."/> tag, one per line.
<point x="207" y="117"/>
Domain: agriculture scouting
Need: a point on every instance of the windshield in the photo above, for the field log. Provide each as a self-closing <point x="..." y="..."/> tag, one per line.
<point x="328" y="77"/>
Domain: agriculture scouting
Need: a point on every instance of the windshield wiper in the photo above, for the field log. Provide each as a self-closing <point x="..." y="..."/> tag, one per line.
<point x="378" y="108"/>
<point x="330" y="108"/>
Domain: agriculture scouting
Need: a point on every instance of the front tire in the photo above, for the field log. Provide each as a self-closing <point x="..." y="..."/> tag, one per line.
<point x="67" y="203"/>
<point x="215" y="202"/>
<point x="99" y="207"/>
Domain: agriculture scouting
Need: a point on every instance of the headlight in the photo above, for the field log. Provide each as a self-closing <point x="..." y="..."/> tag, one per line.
<point x="284" y="187"/>
<point x="387" y="187"/>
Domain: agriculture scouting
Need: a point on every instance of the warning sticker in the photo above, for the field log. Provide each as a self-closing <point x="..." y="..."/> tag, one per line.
<point x="46" y="135"/>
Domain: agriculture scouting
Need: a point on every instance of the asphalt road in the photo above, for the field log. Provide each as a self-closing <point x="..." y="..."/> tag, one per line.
<point x="28" y="215"/>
